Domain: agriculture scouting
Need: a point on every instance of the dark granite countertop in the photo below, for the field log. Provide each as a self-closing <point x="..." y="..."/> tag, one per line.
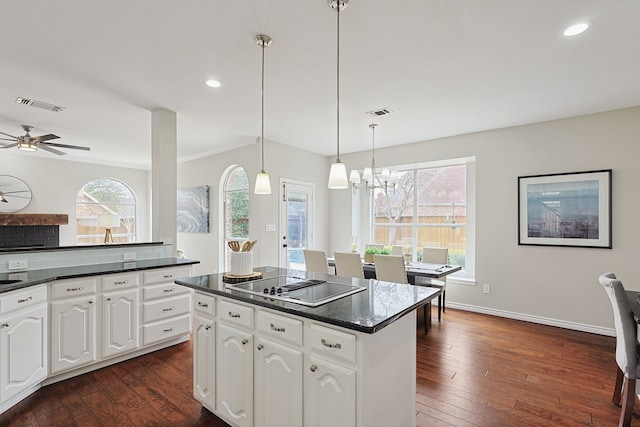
<point x="379" y="305"/>
<point x="34" y="277"/>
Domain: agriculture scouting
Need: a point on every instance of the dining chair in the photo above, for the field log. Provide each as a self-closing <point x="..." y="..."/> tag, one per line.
<point x="626" y="348"/>
<point x="373" y="245"/>
<point x="434" y="255"/>
<point x="348" y="264"/>
<point x="315" y="261"/>
<point x="396" y="250"/>
<point x="390" y="268"/>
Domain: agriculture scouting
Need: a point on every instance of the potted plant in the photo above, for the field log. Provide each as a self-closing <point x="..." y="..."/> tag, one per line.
<point x="368" y="254"/>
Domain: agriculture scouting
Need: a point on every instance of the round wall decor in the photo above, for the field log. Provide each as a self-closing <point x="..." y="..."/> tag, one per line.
<point x="15" y="194"/>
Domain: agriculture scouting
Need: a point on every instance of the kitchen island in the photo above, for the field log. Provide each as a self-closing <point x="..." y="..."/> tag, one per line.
<point x="264" y="361"/>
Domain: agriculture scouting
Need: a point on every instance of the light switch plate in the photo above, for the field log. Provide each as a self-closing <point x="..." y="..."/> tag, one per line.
<point x="270" y="227"/>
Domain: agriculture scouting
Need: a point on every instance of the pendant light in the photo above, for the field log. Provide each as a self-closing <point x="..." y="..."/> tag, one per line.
<point x="263" y="183"/>
<point x="338" y="172"/>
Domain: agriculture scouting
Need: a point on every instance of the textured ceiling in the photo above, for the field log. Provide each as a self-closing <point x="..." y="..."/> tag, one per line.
<point x="445" y="67"/>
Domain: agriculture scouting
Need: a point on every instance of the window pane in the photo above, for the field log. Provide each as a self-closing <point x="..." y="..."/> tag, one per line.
<point x="442" y="195"/>
<point x="105" y="196"/>
<point x="238" y="180"/>
<point x="454" y="238"/>
<point x="392" y="235"/>
<point x="237" y="214"/>
<point x="394" y="204"/>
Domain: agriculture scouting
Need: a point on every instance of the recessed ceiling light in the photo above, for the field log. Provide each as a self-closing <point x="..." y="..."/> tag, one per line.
<point x="576" y="29"/>
<point x="213" y="83"/>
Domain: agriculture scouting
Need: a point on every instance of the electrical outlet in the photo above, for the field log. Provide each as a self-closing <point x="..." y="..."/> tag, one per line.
<point x="18" y="276"/>
<point x="19" y="264"/>
<point x="129" y="256"/>
<point x="486" y="289"/>
<point x="130" y="264"/>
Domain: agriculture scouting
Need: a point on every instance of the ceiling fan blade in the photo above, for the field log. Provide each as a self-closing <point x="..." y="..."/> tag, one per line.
<point x="14" y="137"/>
<point x="51" y="150"/>
<point x="7" y="139"/>
<point x="10" y="145"/>
<point x="75" y="147"/>
<point x="42" y="138"/>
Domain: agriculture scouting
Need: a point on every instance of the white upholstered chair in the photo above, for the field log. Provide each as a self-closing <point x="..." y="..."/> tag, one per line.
<point x="435" y="256"/>
<point x="626" y="348"/>
<point x="390" y="268"/>
<point x="315" y="261"/>
<point x="396" y="250"/>
<point x="348" y="264"/>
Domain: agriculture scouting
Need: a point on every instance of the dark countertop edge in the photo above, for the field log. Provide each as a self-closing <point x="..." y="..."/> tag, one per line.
<point x="306" y="314"/>
<point x="77" y="247"/>
<point x="28" y="283"/>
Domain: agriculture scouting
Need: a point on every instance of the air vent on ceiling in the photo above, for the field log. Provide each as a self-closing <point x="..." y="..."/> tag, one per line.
<point x="379" y="112"/>
<point x="39" y="104"/>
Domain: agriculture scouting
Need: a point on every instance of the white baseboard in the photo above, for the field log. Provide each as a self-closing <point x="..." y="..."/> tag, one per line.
<point x="535" y="319"/>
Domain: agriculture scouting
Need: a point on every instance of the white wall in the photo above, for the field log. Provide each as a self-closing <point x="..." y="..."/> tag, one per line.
<point x="55" y="184"/>
<point x="553" y="285"/>
<point x="281" y="161"/>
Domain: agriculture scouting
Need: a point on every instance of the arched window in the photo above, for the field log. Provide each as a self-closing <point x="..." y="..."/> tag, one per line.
<point x="236" y="208"/>
<point x="114" y="200"/>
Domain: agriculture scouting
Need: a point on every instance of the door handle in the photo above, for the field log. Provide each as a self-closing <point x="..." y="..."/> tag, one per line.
<point x="284" y="245"/>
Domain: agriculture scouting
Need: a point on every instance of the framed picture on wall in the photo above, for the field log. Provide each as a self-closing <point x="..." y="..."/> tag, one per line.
<point x="565" y="209"/>
<point x="193" y="209"/>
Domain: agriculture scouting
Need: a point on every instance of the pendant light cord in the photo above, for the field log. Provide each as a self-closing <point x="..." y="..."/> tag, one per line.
<point x="262" y="117"/>
<point x="338" y="84"/>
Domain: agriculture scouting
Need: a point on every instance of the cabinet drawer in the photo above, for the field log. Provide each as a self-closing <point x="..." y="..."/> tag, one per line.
<point x="166" y="329"/>
<point x="166" y="274"/>
<point x="167" y="307"/>
<point x="119" y="281"/>
<point x="22" y="298"/>
<point x="279" y="327"/>
<point x="332" y="344"/>
<point x="205" y="304"/>
<point x="163" y="290"/>
<point x="73" y="288"/>
<point x="235" y="313"/>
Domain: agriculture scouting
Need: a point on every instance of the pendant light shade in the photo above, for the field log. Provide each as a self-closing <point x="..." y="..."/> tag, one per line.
<point x="338" y="173"/>
<point x="263" y="183"/>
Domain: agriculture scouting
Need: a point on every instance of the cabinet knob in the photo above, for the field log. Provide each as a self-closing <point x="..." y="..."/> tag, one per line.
<point x="313" y="368"/>
<point x="260" y="346"/>
<point x="109" y="299"/>
<point x="245" y="341"/>
<point x="90" y="302"/>
<point x="6" y="325"/>
<point x="207" y="327"/>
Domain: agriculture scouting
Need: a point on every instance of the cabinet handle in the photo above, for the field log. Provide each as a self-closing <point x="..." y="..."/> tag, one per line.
<point x="207" y="327"/>
<point x="276" y="328"/>
<point x="234" y="315"/>
<point x="6" y="325"/>
<point x="202" y="304"/>
<point x="109" y="299"/>
<point x="123" y="282"/>
<point x="90" y="302"/>
<point x="313" y="368"/>
<point x="260" y="346"/>
<point x="167" y="309"/>
<point x="245" y="341"/>
<point x="168" y="290"/>
<point x="167" y="330"/>
<point x="326" y="344"/>
<point x="168" y="276"/>
<point x="24" y="300"/>
<point x="75" y="289"/>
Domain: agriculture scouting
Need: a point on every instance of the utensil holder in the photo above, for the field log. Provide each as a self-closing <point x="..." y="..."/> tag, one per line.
<point x="241" y="263"/>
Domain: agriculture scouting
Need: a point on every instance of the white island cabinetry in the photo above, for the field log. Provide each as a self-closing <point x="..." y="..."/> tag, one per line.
<point x="280" y="369"/>
<point x="204" y="347"/>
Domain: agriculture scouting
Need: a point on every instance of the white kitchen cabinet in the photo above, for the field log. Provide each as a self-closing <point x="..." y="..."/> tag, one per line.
<point x="234" y="375"/>
<point x="277" y="385"/>
<point x="204" y="379"/>
<point x="330" y="394"/>
<point x="119" y="322"/>
<point x="23" y="341"/>
<point x="73" y="333"/>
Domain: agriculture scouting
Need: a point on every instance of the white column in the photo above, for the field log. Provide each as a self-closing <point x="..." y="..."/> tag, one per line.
<point x="164" y="167"/>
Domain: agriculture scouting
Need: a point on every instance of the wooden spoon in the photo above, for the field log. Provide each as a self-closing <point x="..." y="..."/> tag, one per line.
<point x="252" y="244"/>
<point x="246" y="246"/>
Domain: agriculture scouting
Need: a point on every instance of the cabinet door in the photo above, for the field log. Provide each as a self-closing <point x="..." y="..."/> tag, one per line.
<point x="119" y="322"/>
<point x="330" y="394"/>
<point x="73" y="333"/>
<point x="234" y="375"/>
<point x="23" y="356"/>
<point x="278" y="385"/>
<point x="204" y="373"/>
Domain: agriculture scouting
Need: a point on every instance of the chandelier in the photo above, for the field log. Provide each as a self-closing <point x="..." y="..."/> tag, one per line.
<point x="385" y="179"/>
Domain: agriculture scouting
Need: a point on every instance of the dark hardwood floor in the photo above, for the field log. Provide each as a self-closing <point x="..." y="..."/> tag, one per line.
<point x="473" y="370"/>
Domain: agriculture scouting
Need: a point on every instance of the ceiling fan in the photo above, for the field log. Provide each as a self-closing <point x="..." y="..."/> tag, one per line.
<point x="33" y="143"/>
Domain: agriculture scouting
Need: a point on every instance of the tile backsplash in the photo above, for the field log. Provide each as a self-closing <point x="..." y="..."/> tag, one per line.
<point x="90" y="255"/>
